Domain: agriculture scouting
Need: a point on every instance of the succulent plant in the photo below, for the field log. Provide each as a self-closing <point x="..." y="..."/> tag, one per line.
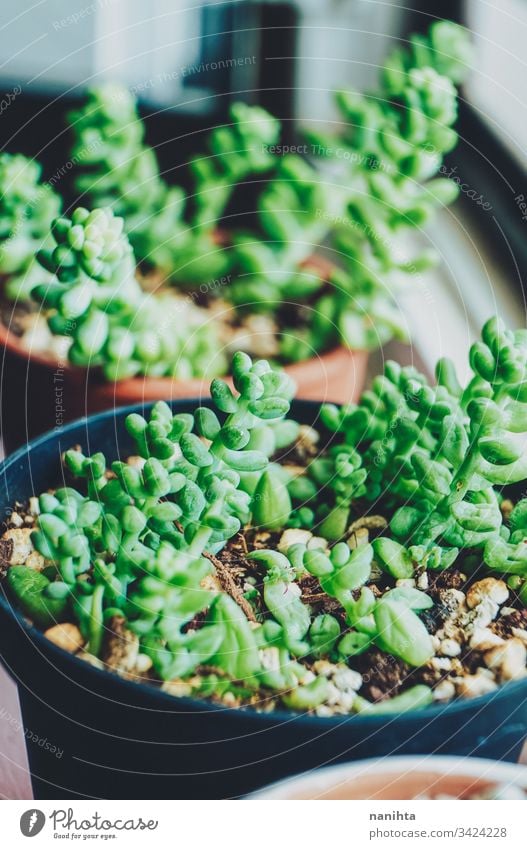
<point x="144" y="539"/>
<point x="390" y="151"/>
<point x="94" y="298"/>
<point x="27" y="208"/>
<point x="235" y="151"/>
<point x="142" y="533"/>
<point x="169" y="228"/>
<point x="436" y="457"/>
<point x="115" y="168"/>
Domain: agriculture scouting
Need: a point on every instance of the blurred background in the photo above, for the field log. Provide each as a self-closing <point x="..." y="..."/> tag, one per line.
<point x="186" y="61"/>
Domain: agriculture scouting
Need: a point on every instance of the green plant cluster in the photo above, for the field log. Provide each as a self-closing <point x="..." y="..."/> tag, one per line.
<point x="114" y="167"/>
<point x="93" y="297"/>
<point x="390" y="622"/>
<point x="27" y="208"/>
<point x="437" y="458"/>
<point x="390" y="152"/>
<point x="385" y="183"/>
<point x="182" y="236"/>
<point x="133" y="544"/>
<point x="169" y="228"/>
<point x="141" y="541"/>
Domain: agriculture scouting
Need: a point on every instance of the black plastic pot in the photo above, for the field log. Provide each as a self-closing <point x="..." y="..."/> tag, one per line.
<point x="122" y="740"/>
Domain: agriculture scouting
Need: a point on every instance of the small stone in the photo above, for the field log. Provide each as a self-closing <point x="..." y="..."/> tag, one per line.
<point x="261" y="538"/>
<point x="450" y="648"/>
<point x="472" y="686"/>
<point x="453" y="600"/>
<point x="422" y="581"/>
<point x="324" y="667"/>
<point x="323" y="710"/>
<point x="318" y="543"/>
<point x="347" y="679"/>
<point x="308" y="438"/>
<point x="346" y="702"/>
<point x="504" y="792"/>
<point x="405" y="582"/>
<point x="143" y="664"/>
<point x="443" y="664"/>
<point x="508" y="660"/>
<point x="17" y="549"/>
<point x="177" y="687"/>
<point x="444" y="691"/>
<point x="35" y="561"/>
<point x="135" y="461"/>
<point x="484" y="639"/>
<point x="16" y="520"/>
<point x="482" y="615"/>
<point x="488" y="588"/>
<point x="487" y="673"/>
<point x="333" y="697"/>
<point x="211" y="582"/>
<point x="66" y="636"/>
<point x="293" y="536"/>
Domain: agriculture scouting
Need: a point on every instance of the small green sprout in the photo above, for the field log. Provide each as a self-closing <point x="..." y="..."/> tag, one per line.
<point x="27" y="208"/>
<point x="93" y="298"/>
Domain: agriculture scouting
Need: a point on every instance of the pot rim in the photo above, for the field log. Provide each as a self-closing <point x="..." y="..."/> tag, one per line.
<point x="323" y="778"/>
<point x="9" y="341"/>
<point x="511" y="688"/>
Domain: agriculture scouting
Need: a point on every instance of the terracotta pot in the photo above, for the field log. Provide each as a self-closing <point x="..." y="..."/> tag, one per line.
<point x="401" y="778"/>
<point x="39" y="393"/>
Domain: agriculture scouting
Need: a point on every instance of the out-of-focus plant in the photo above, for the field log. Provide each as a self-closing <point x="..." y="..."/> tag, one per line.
<point x="115" y="168"/>
<point x="390" y="152"/>
<point x="169" y="229"/>
<point x="27" y="208"/>
<point x="385" y="184"/>
<point x="94" y="298"/>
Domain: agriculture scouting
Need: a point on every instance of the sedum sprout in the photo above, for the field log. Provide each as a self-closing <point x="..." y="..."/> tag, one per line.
<point x="142" y="539"/>
<point x="115" y="168"/>
<point x="390" y="153"/>
<point x="94" y="298"/>
<point x="437" y="457"/>
<point x="27" y="208"/>
<point x="391" y="621"/>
